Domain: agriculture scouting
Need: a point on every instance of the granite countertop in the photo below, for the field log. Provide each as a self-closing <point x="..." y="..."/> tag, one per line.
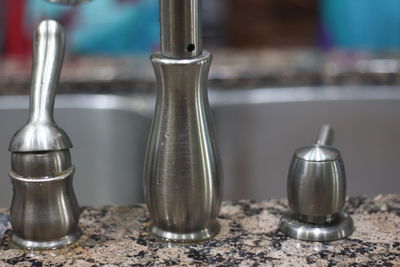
<point x="116" y="236"/>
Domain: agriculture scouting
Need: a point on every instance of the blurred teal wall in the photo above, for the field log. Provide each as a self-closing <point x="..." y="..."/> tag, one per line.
<point x="103" y="26"/>
<point x="362" y="24"/>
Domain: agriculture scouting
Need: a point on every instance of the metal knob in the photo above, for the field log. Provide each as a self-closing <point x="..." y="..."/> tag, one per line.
<point x="44" y="210"/>
<point x="317" y="192"/>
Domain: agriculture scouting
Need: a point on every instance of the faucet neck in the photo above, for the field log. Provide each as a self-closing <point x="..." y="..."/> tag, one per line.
<point x="180" y="28"/>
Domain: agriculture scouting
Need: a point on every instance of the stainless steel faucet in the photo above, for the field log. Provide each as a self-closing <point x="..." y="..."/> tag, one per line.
<point x="317" y="193"/>
<point x="182" y="175"/>
<point x="44" y="210"/>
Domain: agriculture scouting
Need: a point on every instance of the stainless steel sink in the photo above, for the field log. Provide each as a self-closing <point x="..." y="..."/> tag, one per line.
<point x="257" y="132"/>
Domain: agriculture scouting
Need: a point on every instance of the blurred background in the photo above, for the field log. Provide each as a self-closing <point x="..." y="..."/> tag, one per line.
<point x="113" y="27"/>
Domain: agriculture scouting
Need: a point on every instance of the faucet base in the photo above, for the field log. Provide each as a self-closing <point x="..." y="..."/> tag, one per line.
<point x="339" y="228"/>
<point x="47" y="245"/>
<point x="201" y="235"/>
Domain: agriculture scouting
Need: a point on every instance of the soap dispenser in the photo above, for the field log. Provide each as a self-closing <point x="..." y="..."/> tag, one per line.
<point x="316" y="191"/>
<point x="44" y="210"/>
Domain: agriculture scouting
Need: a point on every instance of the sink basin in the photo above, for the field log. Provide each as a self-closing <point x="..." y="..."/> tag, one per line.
<point x="257" y="132"/>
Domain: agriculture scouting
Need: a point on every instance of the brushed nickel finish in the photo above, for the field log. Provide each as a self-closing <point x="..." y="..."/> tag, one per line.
<point x="317" y="193"/>
<point x="180" y="28"/>
<point x="41" y="133"/>
<point x="340" y="227"/>
<point x="325" y="136"/>
<point x="183" y="176"/>
<point x="201" y="235"/>
<point x="41" y="164"/>
<point x="44" y="211"/>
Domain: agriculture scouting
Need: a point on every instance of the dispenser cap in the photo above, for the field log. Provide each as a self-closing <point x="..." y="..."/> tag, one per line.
<point x="317" y="153"/>
<point x="322" y="150"/>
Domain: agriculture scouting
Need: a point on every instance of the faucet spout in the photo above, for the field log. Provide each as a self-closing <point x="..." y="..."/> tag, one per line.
<point x="180" y="28"/>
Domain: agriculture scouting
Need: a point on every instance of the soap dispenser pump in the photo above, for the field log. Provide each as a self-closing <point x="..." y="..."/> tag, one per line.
<point x="316" y="191"/>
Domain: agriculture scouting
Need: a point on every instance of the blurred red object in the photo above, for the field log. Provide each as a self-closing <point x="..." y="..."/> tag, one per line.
<point x="16" y="42"/>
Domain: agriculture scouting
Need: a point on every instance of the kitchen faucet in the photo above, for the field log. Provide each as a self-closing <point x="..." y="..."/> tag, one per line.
<point x="182" y="175"/>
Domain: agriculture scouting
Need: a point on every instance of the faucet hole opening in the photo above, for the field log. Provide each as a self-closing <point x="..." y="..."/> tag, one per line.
<point x="191" y="47"/>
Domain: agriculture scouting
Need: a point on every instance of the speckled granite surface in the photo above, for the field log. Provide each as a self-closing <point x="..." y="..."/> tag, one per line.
<point x="116" y="236"/>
